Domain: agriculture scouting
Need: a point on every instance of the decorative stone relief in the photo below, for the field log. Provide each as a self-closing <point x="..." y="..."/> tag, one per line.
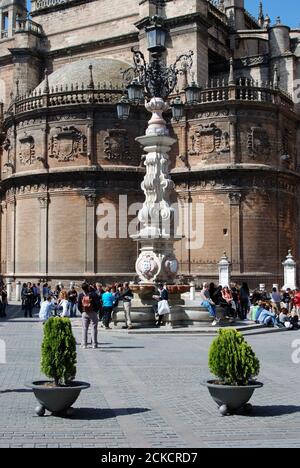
<point x="235" y="198"/>
<point x="58" y="118"/>
<point x="117" y="145"/>
<point x="147" y="266"/>
<point x="67" y="144"/>
<point x="259" y="143"/>
<point x="26" y="149"/>
<point x="171" y="266"/>
<point x="209" y="139"/>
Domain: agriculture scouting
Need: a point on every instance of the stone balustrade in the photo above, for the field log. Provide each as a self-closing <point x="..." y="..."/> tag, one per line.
<point x="214" y="92"/>
<point x="27" y="25"/>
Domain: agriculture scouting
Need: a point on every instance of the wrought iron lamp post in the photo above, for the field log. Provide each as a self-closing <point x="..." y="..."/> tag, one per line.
<point x="155" y="81"/>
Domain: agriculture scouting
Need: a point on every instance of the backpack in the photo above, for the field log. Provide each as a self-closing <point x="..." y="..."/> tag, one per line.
<point x="87" y="304"/>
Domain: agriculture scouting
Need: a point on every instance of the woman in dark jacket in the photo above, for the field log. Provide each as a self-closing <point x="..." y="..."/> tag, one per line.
<point x="244" y="295"/>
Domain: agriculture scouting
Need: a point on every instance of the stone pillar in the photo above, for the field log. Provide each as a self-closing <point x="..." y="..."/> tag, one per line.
<point x="44" y="202"/>
<point x="289" y="272"/>
<point x="11" y="256"/>
<point x="90" y="146"/>
<point x="192" y="291"/>
<point x="9" y="289"/>
<point x="233" y="139"/>
<point x="1" y="23"/>
<point x="235" y="228"/>
<point x="90" y="230"/>
<point x="224" y="271"/>
<point x="157" y="261"/>
<point x="18" y="291"/>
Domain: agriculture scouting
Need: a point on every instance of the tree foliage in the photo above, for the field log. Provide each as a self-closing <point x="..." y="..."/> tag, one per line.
<point x="58" y="360"/>
<point x="232" y="359"/>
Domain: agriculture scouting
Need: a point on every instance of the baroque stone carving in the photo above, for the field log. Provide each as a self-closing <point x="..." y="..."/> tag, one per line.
<point x="67" y="144"/>
<point x="27" y="149"/>
<point x="117" y="145"/>
<point x="235" y="198"/>
<point x="209" y="139"/>
<point x="147" y="266"/>
<point x="258" y="143"/>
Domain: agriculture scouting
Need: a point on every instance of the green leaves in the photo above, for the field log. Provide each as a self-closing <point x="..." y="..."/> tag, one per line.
<point x="58" y="360"/>
<point x="232" y="359"/>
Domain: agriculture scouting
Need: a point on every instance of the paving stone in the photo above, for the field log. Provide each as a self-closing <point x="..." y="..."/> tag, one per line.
<point x="145" y="392"/>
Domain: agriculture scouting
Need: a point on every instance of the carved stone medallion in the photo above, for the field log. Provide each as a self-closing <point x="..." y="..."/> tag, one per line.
<point x="27" y="149"/>
<point x="209" y="139"/>
<point x="117" y="145"/>
<point x="67" y="144"/>
<point x="258" y="142"/>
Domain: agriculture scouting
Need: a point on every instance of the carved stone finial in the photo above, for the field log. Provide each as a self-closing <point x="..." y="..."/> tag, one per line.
<point x="46" y="85"/>
<point x="231" y="72"/>
<point x="91" y="84"/>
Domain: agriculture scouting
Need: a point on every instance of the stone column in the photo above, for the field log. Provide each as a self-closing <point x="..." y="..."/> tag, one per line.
<point x="233" y="139"/>
<point x="235" y="230"/>
<point x="18" y="291"/>
<point x="157" y="261"/>
<point x="9" y="289"/>
<point x="289" y="272"/>
<point x="11" y="256"/>
<point x="44" y="202"/>
<point x="192" y="291"/>
<point x="3" y="236"/>
<point x="90" y="230"/>
<point x="90" y="146"/>
<point x="224" y="271"/>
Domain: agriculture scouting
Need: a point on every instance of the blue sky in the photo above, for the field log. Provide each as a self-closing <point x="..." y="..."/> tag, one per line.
<point x="289" y="10"/>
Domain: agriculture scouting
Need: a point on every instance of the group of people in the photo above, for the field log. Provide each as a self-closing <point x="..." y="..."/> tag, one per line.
<point x="278" y="309"/>
<point x="94" y="303"/>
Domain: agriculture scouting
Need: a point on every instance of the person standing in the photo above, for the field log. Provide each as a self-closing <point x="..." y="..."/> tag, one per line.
<point x="28" y="295"/>
<point x="72" y="297"/>
<point x="126" y="297"/>
<point x="162" y="308"/>
<point x="276" y="298"/>
<point x="88" y="307"/>
<point x="108" y="301"/>
<point x="244" y="295"/>
<point x="64" y="305"/>
<point x="100" y="291"/>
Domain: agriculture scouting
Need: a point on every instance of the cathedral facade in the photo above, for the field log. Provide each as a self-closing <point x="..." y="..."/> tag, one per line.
<point x="65" y="154"/>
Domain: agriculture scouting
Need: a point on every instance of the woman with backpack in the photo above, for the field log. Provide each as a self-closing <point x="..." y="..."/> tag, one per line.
<point x="88" y="307"/>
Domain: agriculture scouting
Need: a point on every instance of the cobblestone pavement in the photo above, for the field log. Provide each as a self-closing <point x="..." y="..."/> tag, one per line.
<point x="145" y="392"/>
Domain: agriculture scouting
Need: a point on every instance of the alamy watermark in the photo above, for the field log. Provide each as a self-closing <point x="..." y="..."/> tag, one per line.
<point x="179" y="221"/>
<point x="2" y="352"/>
<point x="296" y="91"/>
<point x="296" y="352"/>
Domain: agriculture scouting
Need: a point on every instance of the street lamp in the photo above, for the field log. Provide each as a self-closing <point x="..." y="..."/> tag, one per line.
<point x="192" y="93"/>
<point x="135" y="92"/>
<point x="157" y="261"/>
<point x="123" y="109"/>
<point x="177" y="107"/>
<point x="156" y="35"/>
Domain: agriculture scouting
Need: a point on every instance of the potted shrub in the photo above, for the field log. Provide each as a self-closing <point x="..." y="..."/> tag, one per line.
<point x="58" y="362"/>
<point x="233" y="362"/>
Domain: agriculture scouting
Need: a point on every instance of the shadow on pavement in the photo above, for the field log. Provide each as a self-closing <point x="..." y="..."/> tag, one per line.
<point x="87" y="414"/>
<point x="273" y="410"/>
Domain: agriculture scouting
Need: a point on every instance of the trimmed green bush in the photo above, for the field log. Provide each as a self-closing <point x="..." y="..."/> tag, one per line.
<point x="58" y="360"/>
<point x="232" y="359"/>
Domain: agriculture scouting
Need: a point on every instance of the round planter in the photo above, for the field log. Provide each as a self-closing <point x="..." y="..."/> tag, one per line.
<point x="56" y="399"/>
<point x="230" y="398"/>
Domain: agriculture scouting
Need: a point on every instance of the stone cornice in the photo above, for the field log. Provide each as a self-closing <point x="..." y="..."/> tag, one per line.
<point x="177" y="21"/>
<point x="59" y="6"/>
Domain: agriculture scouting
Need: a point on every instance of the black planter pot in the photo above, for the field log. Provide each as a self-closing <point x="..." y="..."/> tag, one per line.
<point x="230" y="398"/>
<point x="57" y="400"/>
